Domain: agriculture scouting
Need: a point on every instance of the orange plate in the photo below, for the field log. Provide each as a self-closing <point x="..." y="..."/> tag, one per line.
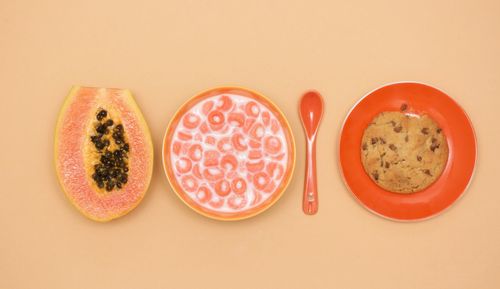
<point x="421" y="99"/>
<point x="214" y="214"/>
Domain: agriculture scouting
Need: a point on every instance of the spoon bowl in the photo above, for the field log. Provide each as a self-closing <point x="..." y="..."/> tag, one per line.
<point x="311" y="112"/>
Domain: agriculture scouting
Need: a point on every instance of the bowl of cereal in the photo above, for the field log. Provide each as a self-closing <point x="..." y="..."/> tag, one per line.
<point x="229" y="153"/>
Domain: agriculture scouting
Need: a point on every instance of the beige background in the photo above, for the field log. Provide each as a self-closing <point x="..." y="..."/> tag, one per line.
<point x="165" y="52"/>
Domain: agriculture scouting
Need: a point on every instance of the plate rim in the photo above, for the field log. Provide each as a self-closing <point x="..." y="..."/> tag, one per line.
<point x="353" y="195"/>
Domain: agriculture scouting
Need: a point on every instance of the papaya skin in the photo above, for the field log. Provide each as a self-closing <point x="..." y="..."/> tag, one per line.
<point x="129" y="102"/>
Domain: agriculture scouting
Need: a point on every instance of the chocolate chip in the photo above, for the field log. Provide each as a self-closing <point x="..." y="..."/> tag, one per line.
<point x="438" y="130"/>
<point x="393" y="147"/>
<point x="387" y="165"/>
<point x="433" y="140"/>
<point x="403" y="107"/>
<point x="375" y="175"/>
<point x="365" y="147"/>
<point x="374" y="140"/>
<point x="406" y="138"/>
<point x="419" y="158"/>
<point x="434" y="146"/>
<point x="398" y="129"/>
<point x="425" y="130"/>
<point x="427" y="172"/>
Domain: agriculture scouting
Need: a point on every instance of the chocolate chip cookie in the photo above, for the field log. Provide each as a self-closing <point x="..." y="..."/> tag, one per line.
<point x="403" y="153"/>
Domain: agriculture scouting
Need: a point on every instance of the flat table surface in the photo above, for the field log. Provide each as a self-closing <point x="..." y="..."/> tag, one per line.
<point x="167" y="51"/>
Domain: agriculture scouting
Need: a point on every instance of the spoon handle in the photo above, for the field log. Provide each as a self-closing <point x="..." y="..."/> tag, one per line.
<point x="310" y="198"/>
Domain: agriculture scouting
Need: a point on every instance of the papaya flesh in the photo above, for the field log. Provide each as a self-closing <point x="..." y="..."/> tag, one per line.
<point x="103" y="152"/>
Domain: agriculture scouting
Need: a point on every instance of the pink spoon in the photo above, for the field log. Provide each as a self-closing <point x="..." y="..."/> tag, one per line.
<point x="311" y="112"/>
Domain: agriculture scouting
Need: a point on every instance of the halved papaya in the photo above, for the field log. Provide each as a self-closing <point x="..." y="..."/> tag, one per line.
<point x="103" y="152"/>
